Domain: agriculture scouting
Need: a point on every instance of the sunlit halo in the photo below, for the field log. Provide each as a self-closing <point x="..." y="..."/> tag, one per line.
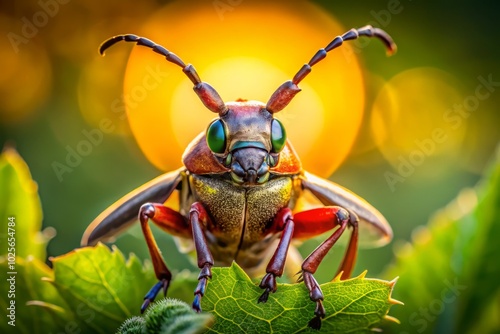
<point x="198" y="118"/>
<point x="248" y="53"/>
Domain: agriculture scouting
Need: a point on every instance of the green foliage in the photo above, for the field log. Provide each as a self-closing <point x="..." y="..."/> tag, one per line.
<point x="167" y="316"/>
<point x="102" y="289"/>
<point x="449" y="275"/>
<point x="100" y="286"/>
<point x="481" y="264"/>
<point x="24" y="243"/>
<point x="90" y="290"/>
<point x="19" y="199"/>
<point x="354" y="305"/>
<point x="134" y="325"/>
<point x="29" y="287"/>
<point x="174" y="316"/>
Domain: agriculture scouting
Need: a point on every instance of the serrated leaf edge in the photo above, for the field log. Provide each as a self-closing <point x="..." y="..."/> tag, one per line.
<point x="392" y="301"/>
<point x="392" y="319"/>
<point x="338" y="277"/>
<point x="239" y="273"/>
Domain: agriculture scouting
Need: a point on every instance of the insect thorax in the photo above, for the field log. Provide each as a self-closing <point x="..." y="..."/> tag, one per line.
<point x="242" y="217"/>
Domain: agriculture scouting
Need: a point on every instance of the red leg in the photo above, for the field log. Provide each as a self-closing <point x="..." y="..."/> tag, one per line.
<point x="314" y="222"/>
<point x="311" y="223"/>
<point x="283" y="221"/>
<point x="351" y="253"/>
<point x="169" y="220"/>
<point x="199" y="219"/>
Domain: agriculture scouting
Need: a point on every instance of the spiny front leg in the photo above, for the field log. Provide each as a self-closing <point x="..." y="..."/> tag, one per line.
<point x="283" y="221"/>
<point x="169" y="220"/>
<point x="199" y="218"/>
<point x="318" y="219"/>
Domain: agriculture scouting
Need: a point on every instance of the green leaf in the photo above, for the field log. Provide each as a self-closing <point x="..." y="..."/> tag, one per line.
<point x="103" y="289"/>
<point x="24" y="287"/>
<point x="20" y="204"/>
<point x="352" y="306"/>
<point x="449" y="274"/>
<point x="100" y="286"/>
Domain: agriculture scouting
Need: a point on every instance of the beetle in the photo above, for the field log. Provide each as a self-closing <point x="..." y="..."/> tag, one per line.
<point x="238" y="191"/>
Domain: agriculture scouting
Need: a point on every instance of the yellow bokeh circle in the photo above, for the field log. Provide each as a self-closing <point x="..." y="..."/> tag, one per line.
<point x="409" y="118"/>
<point x="245" y="51"/>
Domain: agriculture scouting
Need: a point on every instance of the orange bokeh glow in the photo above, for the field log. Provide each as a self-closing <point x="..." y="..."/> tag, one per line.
<point x="25" y="79"/>
<point x="245" y="52"/>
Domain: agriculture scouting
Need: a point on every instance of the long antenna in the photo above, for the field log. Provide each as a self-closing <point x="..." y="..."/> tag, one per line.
<point x="207" y="94"/>
<point x="285" y="93"/>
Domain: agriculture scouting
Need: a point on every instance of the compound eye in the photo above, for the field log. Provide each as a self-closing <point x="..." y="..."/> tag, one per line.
<point x="216" y="137"/>
<point x="278" y="136"/>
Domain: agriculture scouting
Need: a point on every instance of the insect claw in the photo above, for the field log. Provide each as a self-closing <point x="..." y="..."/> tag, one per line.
<point x="151" y="295"/>
<point x="145" y="304"/>
<point x="265" y="295"/>
<point x="196" y="303"/>
<point x="165" y="285"/>
<point x="315" y="323"/>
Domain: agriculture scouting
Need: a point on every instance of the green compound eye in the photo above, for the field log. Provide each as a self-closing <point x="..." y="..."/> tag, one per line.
<point x="216" y="137"/>
<point x="278" y="136"/>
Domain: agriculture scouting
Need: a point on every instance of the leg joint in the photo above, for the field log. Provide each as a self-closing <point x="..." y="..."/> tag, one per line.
<point x="343" y="215"/>
<point x="353" y="219"/>
<point x="197" y="208"/>
<point x="146" y="211"/>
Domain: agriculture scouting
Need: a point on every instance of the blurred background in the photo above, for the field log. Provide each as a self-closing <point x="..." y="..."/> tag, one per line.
<point x="406" y="132"/>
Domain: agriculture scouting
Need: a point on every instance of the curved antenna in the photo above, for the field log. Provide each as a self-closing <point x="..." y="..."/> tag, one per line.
<point x="207" y="94"/>
<point x="285" y="93"/>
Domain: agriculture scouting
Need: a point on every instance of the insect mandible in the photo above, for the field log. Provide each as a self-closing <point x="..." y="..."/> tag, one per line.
<point x="238" y="192"/>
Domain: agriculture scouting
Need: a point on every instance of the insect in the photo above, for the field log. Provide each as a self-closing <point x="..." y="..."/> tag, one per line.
<point x="238" y="192"/>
